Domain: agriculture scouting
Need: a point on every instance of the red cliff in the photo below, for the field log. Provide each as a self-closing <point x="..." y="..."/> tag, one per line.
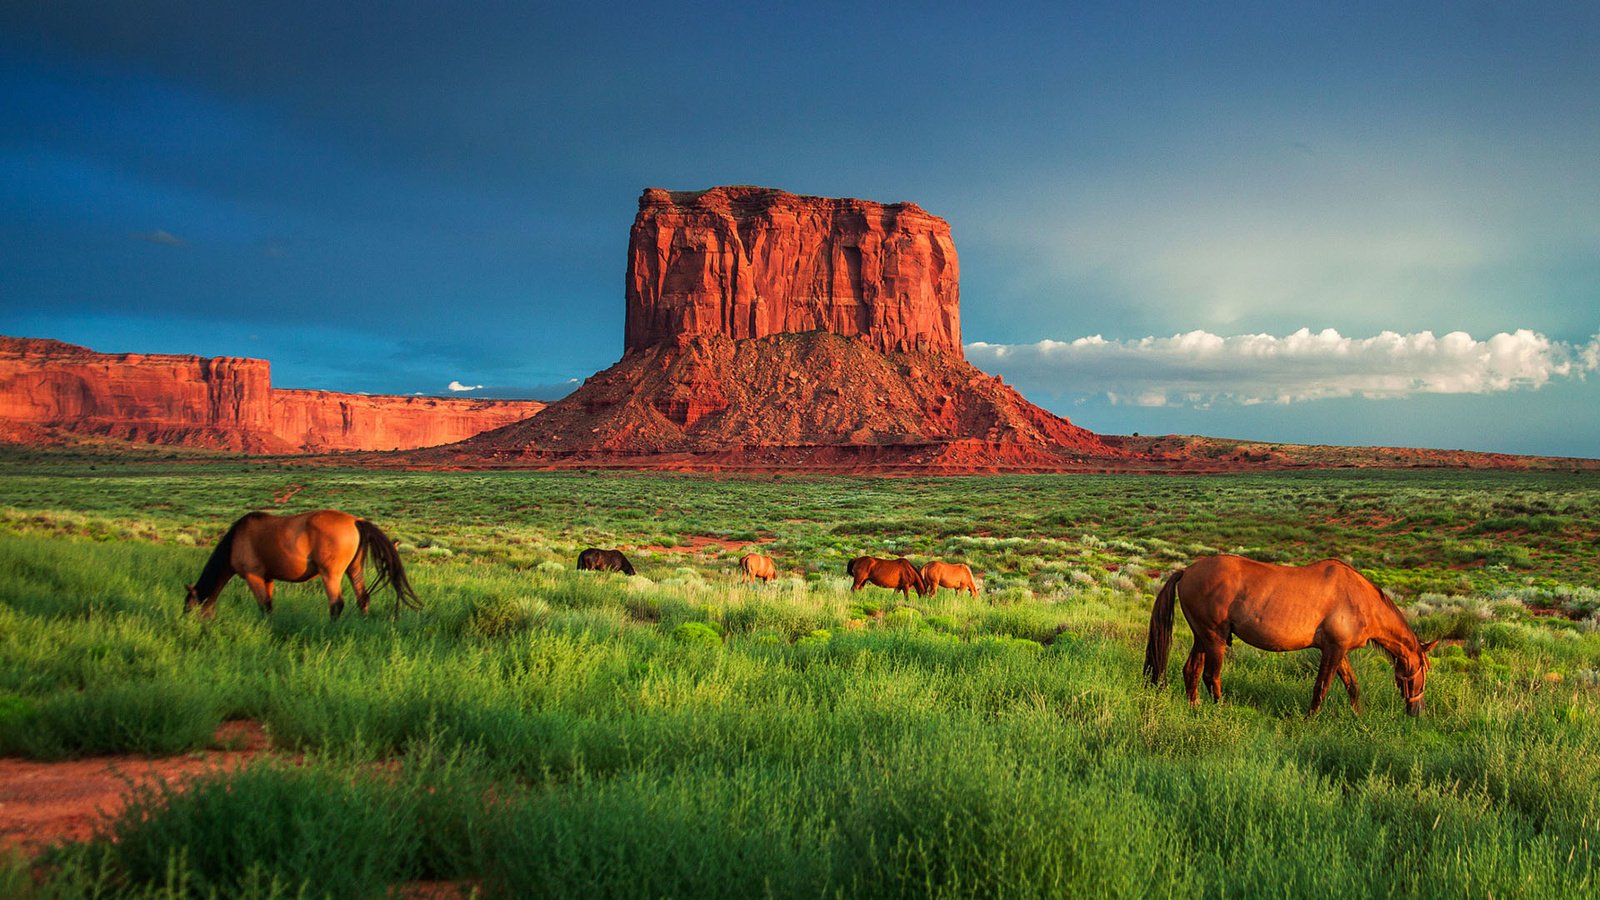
<point x="748" y="262"/>
<point x="49" y="389"/>
<point x="323" y="421"/>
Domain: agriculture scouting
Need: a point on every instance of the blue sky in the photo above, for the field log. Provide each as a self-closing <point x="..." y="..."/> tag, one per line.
<point x="1334" y="223"/>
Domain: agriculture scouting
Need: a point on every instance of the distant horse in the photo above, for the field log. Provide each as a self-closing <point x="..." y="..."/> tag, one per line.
<point x="1327" y="605"/>
<point x="754" y="566"/>
<point x="597" y="560"/>
<point x="329" y="544"/>
<point x="894" y="574"/>
<point x="938" y="574"/>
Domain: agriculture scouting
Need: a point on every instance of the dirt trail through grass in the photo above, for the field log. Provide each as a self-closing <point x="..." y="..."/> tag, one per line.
<point x="42" y="803"/>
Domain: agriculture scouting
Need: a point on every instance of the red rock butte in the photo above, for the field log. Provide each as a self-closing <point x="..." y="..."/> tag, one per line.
<point x="772" y="331"/>
<point x="749" y="262"/>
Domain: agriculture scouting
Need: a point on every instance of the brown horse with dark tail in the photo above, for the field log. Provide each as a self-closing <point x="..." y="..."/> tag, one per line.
<point x="1327" y="605"/>
<point x="262" y="548"/>
<point x="894" y="574"/>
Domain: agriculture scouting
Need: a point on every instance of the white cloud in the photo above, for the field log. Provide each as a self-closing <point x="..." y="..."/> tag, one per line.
<point x="160" y="236"/>
<point x="458" y="387"/>
<point x="1200" y="368"/>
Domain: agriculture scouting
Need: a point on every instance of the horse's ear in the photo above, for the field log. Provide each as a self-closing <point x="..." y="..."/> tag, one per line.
<point x="189" y="588"/>
<point x="1428" y="647"/>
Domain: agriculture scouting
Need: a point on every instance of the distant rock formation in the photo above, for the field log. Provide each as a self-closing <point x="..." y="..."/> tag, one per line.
<point x="50" y="390"/>
<point x="814" y="401"/>
<point x="749" y="262"/>
<point x="769" y="331"/>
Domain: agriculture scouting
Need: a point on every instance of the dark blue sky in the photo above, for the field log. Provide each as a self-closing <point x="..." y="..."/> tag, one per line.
<point x="391" y="197"/>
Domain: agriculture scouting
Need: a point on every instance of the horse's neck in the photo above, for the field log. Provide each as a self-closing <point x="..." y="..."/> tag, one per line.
<point x="1394" y="635"/>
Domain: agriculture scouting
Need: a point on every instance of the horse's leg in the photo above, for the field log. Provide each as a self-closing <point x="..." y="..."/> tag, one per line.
<point x="1332" y="659"/>
<point x="330" y="583"/>
<point x="262" y="588"/>
<point x="1191" y="673"/>
<point x="359" y="582"/>
<point x="1348" y="676"/>
<point x="1216" y="648"/>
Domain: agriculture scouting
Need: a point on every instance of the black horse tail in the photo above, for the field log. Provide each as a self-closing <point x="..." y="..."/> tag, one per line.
<point x="391" y="572"/>
<point x="1158" y="646"/>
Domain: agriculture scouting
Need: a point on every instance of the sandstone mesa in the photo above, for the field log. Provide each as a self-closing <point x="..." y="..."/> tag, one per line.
<point x="50" y="389"/>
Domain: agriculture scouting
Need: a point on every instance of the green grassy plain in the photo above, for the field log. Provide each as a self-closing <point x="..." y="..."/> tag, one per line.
<point x="543" y="732"/>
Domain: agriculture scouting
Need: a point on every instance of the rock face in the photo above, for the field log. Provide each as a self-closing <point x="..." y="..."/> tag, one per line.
<point x="769" y="331"/>
<point x="323" y="421"/>
<point x="748" y="262"/>
<point x="50" y="389"/>
<point x="812" y="401"/>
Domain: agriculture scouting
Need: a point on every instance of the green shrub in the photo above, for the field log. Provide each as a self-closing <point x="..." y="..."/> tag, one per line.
<point x="699" y="634"/>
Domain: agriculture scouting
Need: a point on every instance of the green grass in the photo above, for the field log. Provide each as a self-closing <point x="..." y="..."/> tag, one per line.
<point x="543" y="732"/>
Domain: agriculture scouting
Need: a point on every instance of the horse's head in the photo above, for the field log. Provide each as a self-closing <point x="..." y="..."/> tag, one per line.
<point x="921" y="585"/>
<point x="191" y="599"/>
<point x="1411" y="676"/>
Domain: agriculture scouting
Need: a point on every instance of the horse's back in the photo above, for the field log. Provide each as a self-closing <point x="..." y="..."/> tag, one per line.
<point x="758" y="565"/>
<point x="895" y="573"/>
<point x="887" y="573"/>
<point x="1275" y="606"/>
<point x="943" y="574"/>
<point x="296" y="547"/>
<point x="595" y="559"/>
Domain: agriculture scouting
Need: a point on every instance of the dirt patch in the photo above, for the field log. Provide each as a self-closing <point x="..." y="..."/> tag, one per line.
<point x="1559" y="612"/>
<point x="43" y="803"/>
<point x="434" y="890"/>
<point x="697" y="542"/>
<point x="285" y="495"/>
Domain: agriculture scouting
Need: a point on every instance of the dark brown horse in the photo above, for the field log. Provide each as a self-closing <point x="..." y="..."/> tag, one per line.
<point x="938" y="574"/>
<point x="755" y="565"/>
<point x="1327" y="605"/>
<point x="894" y="574"/>
<point x="262" y="548"/>
<point x="596" y="560"/>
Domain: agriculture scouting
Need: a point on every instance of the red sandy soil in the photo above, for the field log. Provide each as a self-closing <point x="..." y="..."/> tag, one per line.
<point x="42" y="803"/>
<point x="45" y="803"/>
<point x="698" y="542"/>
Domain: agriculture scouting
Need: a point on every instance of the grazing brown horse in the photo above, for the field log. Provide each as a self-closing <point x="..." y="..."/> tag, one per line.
<point x="894" y="574"/>
<point x="597" y="560"/>
<point x="1327" y="605"/>
<point x="262" y="548"/>
<point x="755" y="565"/>
<point x="938" y="574"/>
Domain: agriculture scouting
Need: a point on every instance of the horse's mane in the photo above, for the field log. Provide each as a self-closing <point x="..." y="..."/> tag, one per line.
<point x="219" y="566"/>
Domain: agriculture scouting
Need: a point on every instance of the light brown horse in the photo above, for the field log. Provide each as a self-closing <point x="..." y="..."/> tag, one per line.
<point x="262" y="548"/>
<point x="1327" y="605"/>
<point x="755" y="565"/>
<point x="894" y="574"/>
<point x="938" y="574"/>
